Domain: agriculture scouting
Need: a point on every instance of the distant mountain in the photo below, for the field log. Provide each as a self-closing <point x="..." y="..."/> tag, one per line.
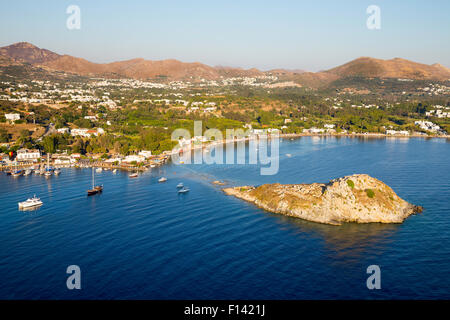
<point x="394" y="68"/>
<point x="136" y="68"/>
<point x="26" y="53"/>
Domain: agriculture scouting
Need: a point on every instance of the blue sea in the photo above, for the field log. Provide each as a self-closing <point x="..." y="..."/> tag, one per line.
<point x="140" y="239"/>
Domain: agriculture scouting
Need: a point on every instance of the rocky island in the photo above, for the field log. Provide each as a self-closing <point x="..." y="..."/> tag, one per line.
<point x="357" y="198"/>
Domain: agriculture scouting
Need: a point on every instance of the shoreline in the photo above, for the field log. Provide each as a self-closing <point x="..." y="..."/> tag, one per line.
<point x="164" y="157"/>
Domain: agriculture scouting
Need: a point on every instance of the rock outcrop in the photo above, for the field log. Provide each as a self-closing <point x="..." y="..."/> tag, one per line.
<point x="357" y="198"/>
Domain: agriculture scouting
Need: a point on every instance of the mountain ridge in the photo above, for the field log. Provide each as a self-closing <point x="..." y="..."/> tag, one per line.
<point x="172" y="69"/>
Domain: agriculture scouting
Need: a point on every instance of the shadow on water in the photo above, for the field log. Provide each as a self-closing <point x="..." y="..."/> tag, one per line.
<point x="347" y="242"/>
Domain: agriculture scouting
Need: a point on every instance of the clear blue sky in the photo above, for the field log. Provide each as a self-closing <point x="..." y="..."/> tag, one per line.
<point x="310" y="35"/>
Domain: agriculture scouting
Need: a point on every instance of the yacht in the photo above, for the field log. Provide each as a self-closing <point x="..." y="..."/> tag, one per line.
<point x="133" y="175"/>
<point x="47" y="173"/>
<point x="27" y="172"/>
<point x="30" y="203"/>
<point x="180" y="185"/>
<point x="162" y="179"/>
<point x="57" y="172"/>
<point x="98" y="170"/>
<point x="115" y="171"/>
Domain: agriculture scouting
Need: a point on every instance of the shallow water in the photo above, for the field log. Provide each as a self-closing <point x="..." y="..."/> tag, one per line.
<point x="140" y="239"/>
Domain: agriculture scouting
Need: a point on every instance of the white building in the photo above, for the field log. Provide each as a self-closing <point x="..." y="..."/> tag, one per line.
<point x="63" y="130"/>
<point x="145" y="153"/>
<point x="428" y="125"/>
<point x="134" y="157"/>
<point x="93" y="118"/>
<point x="329" y="126"/>
<point x="28" y="155"/>
<point x="397" y="133"/>
<point x="12" y="116"/>
<point x="80" y="132"/>
<point x="314" y="130"/>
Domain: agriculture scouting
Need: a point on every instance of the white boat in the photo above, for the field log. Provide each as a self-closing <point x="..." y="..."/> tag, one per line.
<point x="57" y="172"/>
<point x="133" y="175"/>
<point x="27" y="172"/>
<point x="288" y="155"/>
<point x="162" y="179"/>
<point x="98" y="170"/>
<point x="180" y="185"/>
<point x="115" y="171"/>
<point x="30" y="203"/>
<point x="183" y="190"/>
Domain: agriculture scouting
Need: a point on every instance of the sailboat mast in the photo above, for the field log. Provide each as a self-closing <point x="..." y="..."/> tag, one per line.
<point x="93" y="178"/>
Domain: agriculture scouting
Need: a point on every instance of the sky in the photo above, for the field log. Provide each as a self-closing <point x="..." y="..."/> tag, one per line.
<point x="307" y="35"/>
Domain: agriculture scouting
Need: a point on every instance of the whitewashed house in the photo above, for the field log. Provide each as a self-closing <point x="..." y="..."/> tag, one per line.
<point x="28" y="155"/>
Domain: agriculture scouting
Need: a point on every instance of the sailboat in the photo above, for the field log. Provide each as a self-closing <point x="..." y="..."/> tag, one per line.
<point x="95" y="189"/>
<point x="48" y="171"/>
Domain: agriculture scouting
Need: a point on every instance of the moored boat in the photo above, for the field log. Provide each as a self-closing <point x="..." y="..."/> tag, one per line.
<point x="95" y="189"/>
<point x="57" y="172"/>
<point x="133" y="175"/>
<point x="16" y="173"/>
<point x="162" y="179"/>
<point x="27" y="172"/>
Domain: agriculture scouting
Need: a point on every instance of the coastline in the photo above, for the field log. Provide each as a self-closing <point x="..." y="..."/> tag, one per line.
<point x="164" y="157"/>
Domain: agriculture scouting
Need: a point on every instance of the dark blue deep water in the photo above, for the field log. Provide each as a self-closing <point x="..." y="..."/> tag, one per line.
<point x="141" y="240"/>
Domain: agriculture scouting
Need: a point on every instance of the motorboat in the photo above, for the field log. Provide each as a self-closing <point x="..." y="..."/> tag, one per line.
<point x="47" y="173"/>
<point x="162" y="179"/>
<point x="27" y="172"/>
<point x="183" y="190"/>
<point x="115" y="171"/>
<point x="98" y="170"/>
<point x="134" y="175"/>
<point x="57" y="172"/>
<point x="180" y="185"/>
<point x="30" y="203"/>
